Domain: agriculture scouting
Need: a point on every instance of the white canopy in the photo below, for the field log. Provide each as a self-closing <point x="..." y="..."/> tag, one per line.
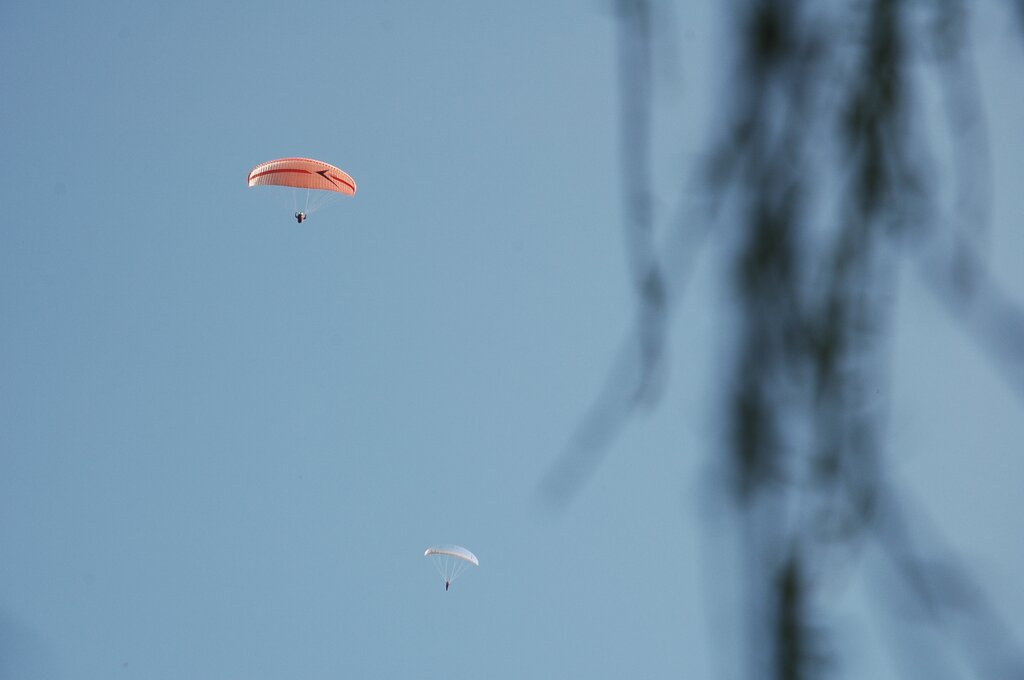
<point x="452" y="551"/>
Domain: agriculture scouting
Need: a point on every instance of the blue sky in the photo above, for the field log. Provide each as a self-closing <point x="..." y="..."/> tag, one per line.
<point x="225" y="439"/>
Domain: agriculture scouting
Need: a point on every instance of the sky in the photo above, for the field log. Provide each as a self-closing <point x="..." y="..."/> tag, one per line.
<point x="226" y="439"/>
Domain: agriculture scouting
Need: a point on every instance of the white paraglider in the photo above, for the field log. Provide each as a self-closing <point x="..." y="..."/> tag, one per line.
<point x="451" y="561"/>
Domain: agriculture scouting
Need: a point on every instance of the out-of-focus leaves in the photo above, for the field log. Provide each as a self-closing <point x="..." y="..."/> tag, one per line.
<point x="822" y="103"/>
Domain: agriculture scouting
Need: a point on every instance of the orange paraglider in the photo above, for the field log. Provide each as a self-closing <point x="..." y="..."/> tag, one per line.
<point x="303" y="173"/>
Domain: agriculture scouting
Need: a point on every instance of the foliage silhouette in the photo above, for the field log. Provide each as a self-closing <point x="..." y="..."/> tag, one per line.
<point x="821" y="114"/>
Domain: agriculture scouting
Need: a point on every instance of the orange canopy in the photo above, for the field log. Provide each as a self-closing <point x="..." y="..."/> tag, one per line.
<point x="304" y="173"/>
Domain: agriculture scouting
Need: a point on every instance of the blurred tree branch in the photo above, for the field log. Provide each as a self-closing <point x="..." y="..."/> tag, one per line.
<point x="822" y="109"/>
<point x="635" y="376"/>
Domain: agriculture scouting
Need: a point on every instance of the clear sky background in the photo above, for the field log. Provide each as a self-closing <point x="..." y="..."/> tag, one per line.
<point x="226" y="439"/>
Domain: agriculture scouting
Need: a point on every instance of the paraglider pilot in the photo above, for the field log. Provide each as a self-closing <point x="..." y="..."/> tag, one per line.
<point x="446" y="584"/>
<point x="300" y="217"/>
